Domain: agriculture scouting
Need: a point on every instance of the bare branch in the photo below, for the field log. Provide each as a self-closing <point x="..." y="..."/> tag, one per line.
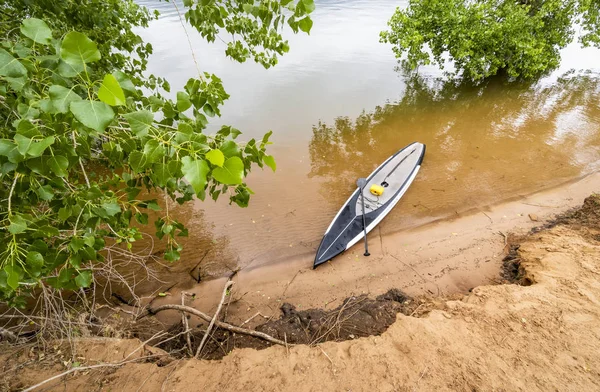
<point x="212" y="322"/>
<point x="219" y="324"/>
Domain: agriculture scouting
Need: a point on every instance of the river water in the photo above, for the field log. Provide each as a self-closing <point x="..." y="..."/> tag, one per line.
<point x="338" y="108"/>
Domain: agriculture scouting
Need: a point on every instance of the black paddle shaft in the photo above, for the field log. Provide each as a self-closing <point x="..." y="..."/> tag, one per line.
<point x="361" y="185"/>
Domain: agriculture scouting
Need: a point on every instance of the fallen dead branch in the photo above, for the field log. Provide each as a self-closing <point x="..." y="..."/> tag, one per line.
<point x="219" y="324"/>
<point x="216" y="315"/>
<point x="101" y="365"/>
<point x="186" y="326"/>
<point x="82" y="368"/>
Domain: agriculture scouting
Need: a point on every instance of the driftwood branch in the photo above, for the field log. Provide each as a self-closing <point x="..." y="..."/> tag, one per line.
<point x="186" y="326"/>
<point x="212" y="322"/>
<point x="218" y="323"/>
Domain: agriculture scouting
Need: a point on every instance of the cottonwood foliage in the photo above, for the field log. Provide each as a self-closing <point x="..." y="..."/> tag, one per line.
<point x="83" y="143"/>
<point x="485" y="37"/>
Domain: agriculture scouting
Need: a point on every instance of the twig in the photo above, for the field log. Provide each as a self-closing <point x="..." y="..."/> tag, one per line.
<point x="251" y="318"/>
<point x="212" y="322"/>
<point x="100" y="365"/>
<point x="12" y="189"/>
<point x="538" y="205"/>
<point x="196" y="266"/>
<point x="164" y="384"/>
<point x="286" y="345"/>
<point x="414" y="311"/>
<point x="87" y="180"/>
<point x="324" y="353"/>
<point x="491" y="220"/>
<point x="219" y="324"/>
<point x="422" y="374"/>
<point x="505" y="237"/>
<point x="186" y="326"/>
<point x="291" y="281"/>
<point x="189" y="41"/>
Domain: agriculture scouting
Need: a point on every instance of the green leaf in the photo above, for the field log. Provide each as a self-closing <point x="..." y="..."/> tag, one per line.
<point x="37" y="148"/>
<point x="208" y="109"/>
<point x="14" y="274"/>
<point x="35" y="262"/>
<point x="6" y="147"/>
<point x="110" y="91"/>
<point x="78" y="49"/>
<point x="124" y="81"/>
<point x="37" y="30"/>
<point x="90" y="240"/>
<point x="232" y="172"/>
<point x="270" y="161"/>
<point x="154" y="151"/>
<point x="172" y="255"/>
<point x="309" y="5"/>
<point x="76" y="244"/>
<point x="18" y="224"/>
<point x="305" y="24"/>
<point x="265" y="139"/>
<point x="45" y="192"/>
<point x="58" y="164"/>
<point x="138" y="161"/>
<point x="84" y="279"/>
<point x="26" y="128"/>
<point x="111" y="209"/>
<point x="64" y="213"/>
<point x="69" y="70"/>
<point x="235" y="133"/>
<point x="230" y="149"/>
<point x="39" y="246"/>
<point x="23" y="143"/>
<point x="9" y="150"/>
<point x="183" y="101"/>
<point x="216" y="157"/>
<point x="163" y="172"/>
<point x="141" y="218"/>
<point x="3" y="279"/>
<point x="195" y="171"/>
<point x="61" y="97"/>
<point x="152" y="205"/>
<point x="93" y="114"/>
<point x="140" y="122"/>
<point x="10" y="66"/>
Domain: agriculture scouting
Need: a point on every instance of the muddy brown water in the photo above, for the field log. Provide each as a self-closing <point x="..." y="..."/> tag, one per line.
<point x="338" y="108"/>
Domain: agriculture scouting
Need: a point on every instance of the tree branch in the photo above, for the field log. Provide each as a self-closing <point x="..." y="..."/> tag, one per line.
<point x="219" y="324"/>
<point x="212" y="322"/>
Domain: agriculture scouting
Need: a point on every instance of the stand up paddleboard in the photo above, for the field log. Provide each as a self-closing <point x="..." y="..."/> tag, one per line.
<point x="383" y="189"/>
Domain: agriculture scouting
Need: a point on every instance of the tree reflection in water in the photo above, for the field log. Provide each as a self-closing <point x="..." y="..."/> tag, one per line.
<point x="485" y="143"/>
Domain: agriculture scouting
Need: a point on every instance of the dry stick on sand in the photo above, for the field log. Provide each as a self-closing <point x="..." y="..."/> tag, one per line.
<point x="212" y="322"/>
<point x="100" y="365"/>
<point x="186" y="326"/>
<point x="252" y="318"/>
<point x="218" y="323"/>
<point x="83" y="368"/>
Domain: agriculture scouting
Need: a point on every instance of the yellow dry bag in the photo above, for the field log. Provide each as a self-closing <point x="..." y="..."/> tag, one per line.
<point x="377" y="190"/>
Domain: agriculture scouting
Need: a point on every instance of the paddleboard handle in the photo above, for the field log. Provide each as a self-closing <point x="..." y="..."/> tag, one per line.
<point x="361" y="186"/>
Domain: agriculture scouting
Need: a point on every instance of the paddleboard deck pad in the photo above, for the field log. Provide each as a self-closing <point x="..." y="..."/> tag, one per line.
<point x="393" y="177"/>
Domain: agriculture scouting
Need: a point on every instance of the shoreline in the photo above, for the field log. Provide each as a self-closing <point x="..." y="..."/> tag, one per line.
<point x="447" y="256"/>
<point x="542" y="333"/>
